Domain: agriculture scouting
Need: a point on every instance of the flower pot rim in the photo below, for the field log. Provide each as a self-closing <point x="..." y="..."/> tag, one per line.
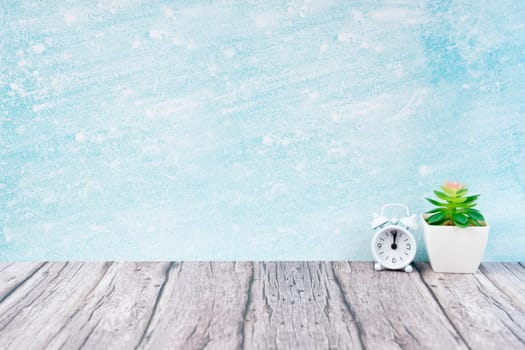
<point x="441" y="227"/>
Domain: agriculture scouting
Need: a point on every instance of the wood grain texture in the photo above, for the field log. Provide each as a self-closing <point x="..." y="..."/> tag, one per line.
<point x="299" y="306"/>
<point x="486" y="317"/>
<point x="394" y="310"/>
<point x="263" y="305"/>
<point x="14" y="275"/>
<point x="114" y="309"/>
<point x="38" y="309"/>
<point x="202" y="304"/>
<point x="509" y="278"/>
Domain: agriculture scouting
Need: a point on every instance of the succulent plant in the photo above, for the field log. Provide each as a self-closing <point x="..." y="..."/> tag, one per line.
<point x="457" y="208"/>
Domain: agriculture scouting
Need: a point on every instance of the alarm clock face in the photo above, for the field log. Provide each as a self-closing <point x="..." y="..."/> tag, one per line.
<point x="394" y="247"/>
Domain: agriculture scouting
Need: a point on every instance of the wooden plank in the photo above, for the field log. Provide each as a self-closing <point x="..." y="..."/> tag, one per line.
<point x="486" y="317"/>
<point x="298" y="305"/>
<point x="202" y="304"/>
<point x="37" y="310"/>
<point x="395" y="310"/>
<point x="258" y="306"/>
<point x="14" y="275"/>
<point x="117" y="309"/>
<point x="509" y="278"/>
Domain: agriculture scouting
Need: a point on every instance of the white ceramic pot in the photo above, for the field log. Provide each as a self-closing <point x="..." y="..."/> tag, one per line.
<point x="455" y="249"/>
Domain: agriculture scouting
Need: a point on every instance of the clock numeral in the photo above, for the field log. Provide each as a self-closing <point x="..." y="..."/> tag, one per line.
<point x="379" y="245"/>
<point x="409" y="246"/>
<point x="394" y="260"/>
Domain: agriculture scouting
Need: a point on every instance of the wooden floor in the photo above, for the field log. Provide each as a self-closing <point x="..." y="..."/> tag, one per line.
<point x="266" y="305"/>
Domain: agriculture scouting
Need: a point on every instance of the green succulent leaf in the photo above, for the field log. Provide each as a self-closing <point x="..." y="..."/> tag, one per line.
<point x="448" y="191"/>
<point x="467" y="206"/>
<point x="460" y="220"/>
<point x="435" y="202"/>
<point x="462" y="192"/>
<point x="470" y="210"/>
<point x="443" y="196"/>
<point x="475" y="215"/>
<point x="458" y="200"/>
<point x="437" y="218"/>
<point x="474" y="222"/>
<point x="471" y="199"/>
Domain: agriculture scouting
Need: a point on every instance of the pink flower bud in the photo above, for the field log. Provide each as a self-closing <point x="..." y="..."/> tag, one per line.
<point x="453" y="186"/>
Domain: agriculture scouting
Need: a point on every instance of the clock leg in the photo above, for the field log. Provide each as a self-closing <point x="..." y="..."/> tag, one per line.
<point x="408" y="268"/>
<point x="378" y="267"/>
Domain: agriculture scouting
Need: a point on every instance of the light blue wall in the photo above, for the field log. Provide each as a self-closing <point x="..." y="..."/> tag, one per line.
<point x="262" y="130"/>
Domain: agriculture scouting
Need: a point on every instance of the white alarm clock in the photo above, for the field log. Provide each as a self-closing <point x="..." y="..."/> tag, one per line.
<point x="393" y="245"/>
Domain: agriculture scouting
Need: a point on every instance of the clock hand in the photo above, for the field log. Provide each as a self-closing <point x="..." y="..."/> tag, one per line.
<point x="394" y="245"/>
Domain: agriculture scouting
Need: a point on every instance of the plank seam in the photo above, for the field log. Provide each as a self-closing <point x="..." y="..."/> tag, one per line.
<point x="443" y="311"/>
<point x="348" y="307"/>
<point x="505" y="265"/>
<point x="35" y="298"/>
<point x="21" y="283"/>
<point x="106" y="266"/>
<point x="482" y="270"/>
<point x="247" y="305"/>
<point x="157" y="300"/>
<point x="6" y="266"/>
<point x="500" y="307"/>
<point x="89" y="335"/>
<point x="393" y="327"/>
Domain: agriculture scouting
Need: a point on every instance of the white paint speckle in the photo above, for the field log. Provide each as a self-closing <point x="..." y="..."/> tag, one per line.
<point x="70" y="17"/>
<point x="156" y="34"/>
<point x="425" y="170"/>
<point x="336" y="117"/>
<point x="314" y="95"/>
<point x="323" y="47"/>
<point x="358" y="15"/>
<point x="266" y="20"/>
<point x="399" y="15"/>
<point x="38" y="48"/>
<point x="345" y="37"/>
<point x="365" y="44"/>
<point x="276" y="190"/>
<point x="212" y="69"/>
<point x="80" y="137"/>
<point x="7" y="234"/>
<point x="115" y="164"/>
<point x="229" y="53"/>
<point x="135" y="44"/>
<point x="16" y="88"/>
<point x="39" y="107"/>
<point x="300" y="166"/>
<point x="285" y="141"/>
<point x="267" y="140"/>
<point x="168" y="13"/>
